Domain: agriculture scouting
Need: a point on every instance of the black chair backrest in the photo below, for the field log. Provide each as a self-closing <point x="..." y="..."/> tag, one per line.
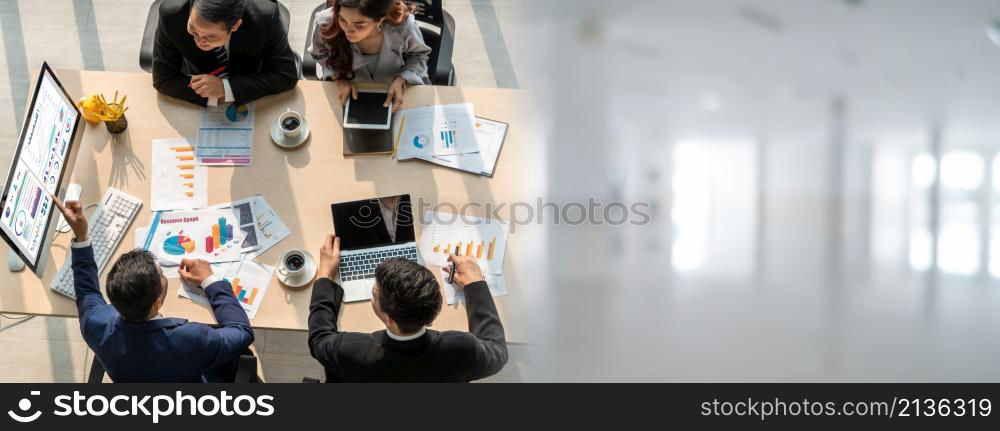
<point x="429" y="11"/>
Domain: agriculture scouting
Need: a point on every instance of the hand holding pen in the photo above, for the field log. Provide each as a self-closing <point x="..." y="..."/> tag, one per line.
<point x="464" y="270"/>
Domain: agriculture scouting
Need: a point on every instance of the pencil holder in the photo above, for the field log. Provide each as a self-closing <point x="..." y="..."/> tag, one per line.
<point x="117" y="126"/>
<point x="96" y="108"/>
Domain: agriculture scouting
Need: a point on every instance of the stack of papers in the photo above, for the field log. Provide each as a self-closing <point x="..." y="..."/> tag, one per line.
<point x="449" y="135"/>
<point x="247" y="228"/>
<point x="484" y="239"/>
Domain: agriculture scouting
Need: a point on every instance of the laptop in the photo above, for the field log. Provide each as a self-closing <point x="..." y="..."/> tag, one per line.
<point x="371" y="231"/>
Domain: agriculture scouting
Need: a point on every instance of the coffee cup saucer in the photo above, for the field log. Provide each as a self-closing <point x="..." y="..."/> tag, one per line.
<point x="303" y="278"/>
<point x="283" y="141"/>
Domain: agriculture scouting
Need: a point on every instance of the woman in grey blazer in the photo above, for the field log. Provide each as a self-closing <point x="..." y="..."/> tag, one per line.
<point x="370" y="41"/>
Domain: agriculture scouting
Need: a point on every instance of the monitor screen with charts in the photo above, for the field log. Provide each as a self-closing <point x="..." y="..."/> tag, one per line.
<point x="37" y="169"/>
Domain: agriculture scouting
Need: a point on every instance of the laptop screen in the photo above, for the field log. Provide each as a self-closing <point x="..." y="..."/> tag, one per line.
<point x="373" y="222"/>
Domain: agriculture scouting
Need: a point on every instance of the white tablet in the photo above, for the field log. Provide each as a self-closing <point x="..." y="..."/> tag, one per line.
<point x="367" y="111"/>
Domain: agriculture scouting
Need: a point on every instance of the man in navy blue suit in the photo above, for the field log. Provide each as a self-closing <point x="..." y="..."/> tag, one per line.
<point x="131" y="339"/>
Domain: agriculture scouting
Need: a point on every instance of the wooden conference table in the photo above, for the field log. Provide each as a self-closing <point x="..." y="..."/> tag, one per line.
<point x="299" y="184"/>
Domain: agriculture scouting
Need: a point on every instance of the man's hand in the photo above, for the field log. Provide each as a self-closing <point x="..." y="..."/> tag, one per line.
<point x="194" y="271"/>
<point x="466" y="270"/>
<point x="72" y="211"/>
<point x="329" y="257"/>
<point x="395" y="94"/>
<point x="209" y="86"/>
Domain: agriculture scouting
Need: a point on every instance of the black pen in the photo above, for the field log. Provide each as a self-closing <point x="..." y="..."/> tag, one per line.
<point x="451" y="275"/>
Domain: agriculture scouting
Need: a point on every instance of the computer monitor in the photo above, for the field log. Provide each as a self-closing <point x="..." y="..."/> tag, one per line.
<point x="38" y="167"/>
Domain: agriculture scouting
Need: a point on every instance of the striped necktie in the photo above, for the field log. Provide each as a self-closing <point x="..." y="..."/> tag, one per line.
<point x="220" y="59"/>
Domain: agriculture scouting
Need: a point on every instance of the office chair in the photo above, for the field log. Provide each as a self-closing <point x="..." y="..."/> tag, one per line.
<point x="153" y="18"/>
<point x="441" y="39"/>
<point x="246" y="370"/>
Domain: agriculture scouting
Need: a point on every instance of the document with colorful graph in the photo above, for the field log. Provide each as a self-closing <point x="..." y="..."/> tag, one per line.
<point x="243" y="211"/>
<point x="213" y="235"/>
<point x="261" y="226"/>
<point x="178" y="182"/>
<point x="225" y="136"/>
<point x="437" y="130"/>
<point x="249" y="281"/>
<point x="490" y="135"/>
<point x="444" y="233"/>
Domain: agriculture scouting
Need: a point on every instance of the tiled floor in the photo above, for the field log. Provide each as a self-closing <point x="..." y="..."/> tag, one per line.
<point x="104" y="35"/>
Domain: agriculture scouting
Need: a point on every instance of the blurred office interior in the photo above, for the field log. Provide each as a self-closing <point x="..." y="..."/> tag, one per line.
<point x="825" y="179"/>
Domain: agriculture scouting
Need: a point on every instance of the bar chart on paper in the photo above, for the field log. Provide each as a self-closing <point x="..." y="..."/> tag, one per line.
<point x="480" y="248"/>
<point x="243" y="295"/>
<point x="250" y="280"/>
<point x="483" y="239"/>
<point x="222" y="234"/>
<point x="448" y="138"/>
<point x="178" y="182"/>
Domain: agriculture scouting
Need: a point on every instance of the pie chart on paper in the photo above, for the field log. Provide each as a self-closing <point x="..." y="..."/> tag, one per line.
<point x="236" y="113"/>
<point x="420" y="141"/>
<point x="178" y="245"/>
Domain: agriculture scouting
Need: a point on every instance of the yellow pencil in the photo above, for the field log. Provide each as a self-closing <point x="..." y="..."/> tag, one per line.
<point x="395" y="147"/>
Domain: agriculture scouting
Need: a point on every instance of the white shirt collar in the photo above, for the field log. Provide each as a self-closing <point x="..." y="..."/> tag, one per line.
<point x="413" y="336"/>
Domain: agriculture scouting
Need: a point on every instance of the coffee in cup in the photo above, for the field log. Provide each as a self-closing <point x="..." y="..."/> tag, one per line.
<point x="292" y="263"/>
<point x="290" y="123"/>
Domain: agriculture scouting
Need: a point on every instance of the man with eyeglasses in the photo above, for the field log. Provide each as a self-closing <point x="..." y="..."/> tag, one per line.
<point x="211" y="52"/>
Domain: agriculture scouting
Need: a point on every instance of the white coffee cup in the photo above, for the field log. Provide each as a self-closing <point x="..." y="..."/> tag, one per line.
<point x="290" y="124"/>
<point x="292" y="264"/>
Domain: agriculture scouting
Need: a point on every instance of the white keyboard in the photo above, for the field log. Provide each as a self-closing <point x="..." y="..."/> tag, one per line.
<point x="108" y="225"/>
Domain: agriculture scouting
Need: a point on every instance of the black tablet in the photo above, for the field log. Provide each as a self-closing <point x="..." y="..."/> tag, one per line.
<point x="367" y="111"/>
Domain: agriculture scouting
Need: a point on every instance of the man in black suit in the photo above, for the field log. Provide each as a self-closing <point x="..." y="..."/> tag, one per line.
<point x="406" y="298"/>
<point x="213" y="51"/>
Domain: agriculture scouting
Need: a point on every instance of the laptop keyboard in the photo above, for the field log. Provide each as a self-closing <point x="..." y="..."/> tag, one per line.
<point x="362" y="265"/>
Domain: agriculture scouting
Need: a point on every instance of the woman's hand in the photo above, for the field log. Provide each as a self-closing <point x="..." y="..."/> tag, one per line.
<point x="346" y="89"/>
<point x="395" y="94"/>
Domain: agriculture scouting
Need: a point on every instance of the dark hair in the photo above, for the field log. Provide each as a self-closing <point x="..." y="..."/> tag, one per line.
<point x="341" y="58"/>
<point x="226" y="12"/>
<point x="408" y="293"/>
<point x="134" y="284"/>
